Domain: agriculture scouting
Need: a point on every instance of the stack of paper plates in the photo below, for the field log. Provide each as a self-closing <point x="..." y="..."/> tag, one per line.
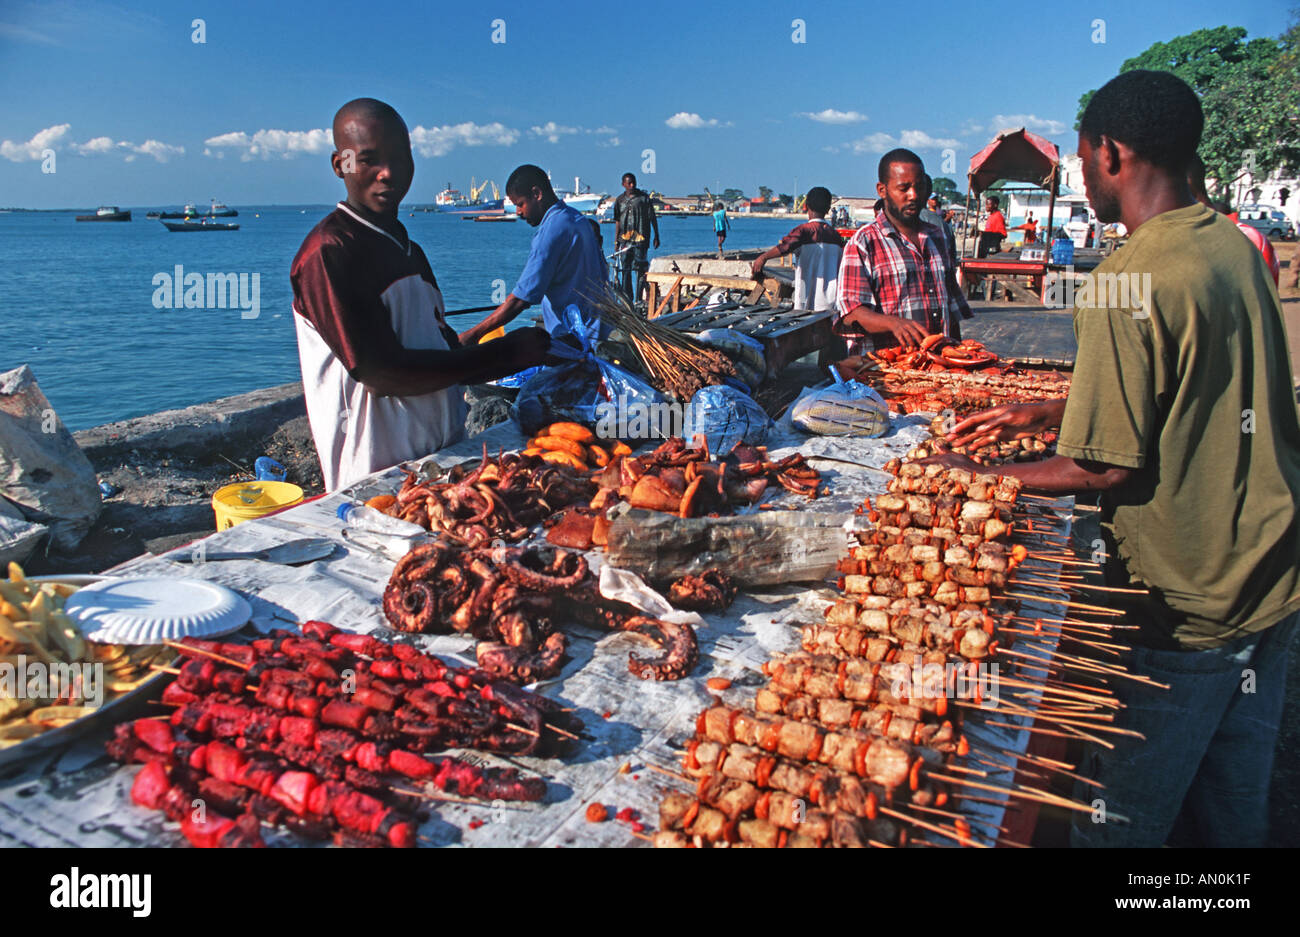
<point x="151" y="610"/>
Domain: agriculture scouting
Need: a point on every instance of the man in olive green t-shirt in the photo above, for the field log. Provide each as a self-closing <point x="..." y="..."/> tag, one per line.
<point x="1181" y="412"/>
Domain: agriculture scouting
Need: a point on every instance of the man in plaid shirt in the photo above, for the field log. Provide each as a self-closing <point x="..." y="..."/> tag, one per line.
<point x="897" y="281"/>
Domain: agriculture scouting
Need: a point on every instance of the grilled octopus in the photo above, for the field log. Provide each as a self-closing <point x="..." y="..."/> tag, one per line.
<point x="710" y="591"/>
<point x="510" y="599"/>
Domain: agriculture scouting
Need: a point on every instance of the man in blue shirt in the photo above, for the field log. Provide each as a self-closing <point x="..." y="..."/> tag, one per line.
<point x="721" y="224"/>
<point x="565" y="265"/>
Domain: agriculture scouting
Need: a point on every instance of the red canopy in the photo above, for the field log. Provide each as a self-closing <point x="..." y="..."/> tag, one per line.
<point x="1017" y="155"/>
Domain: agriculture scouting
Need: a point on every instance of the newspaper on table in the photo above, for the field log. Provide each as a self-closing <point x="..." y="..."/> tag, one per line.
<point x="76" y="796"/>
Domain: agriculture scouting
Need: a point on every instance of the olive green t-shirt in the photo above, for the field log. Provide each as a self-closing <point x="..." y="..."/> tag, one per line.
<point x="1189" y="382"/>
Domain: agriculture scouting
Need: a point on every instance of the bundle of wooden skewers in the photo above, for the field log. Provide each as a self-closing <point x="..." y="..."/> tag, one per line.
<point x="843" y="747"/>
<point x="674" y="362"/>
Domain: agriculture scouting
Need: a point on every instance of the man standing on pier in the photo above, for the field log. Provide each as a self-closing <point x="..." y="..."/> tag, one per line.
<point x="565" y="266"/>
<point x="1182" y="414"/>
<point x="896" y="282"/>
<point x="817" y="248"/>
<point x="634" y="220"/>
<point x="381" y="370"/>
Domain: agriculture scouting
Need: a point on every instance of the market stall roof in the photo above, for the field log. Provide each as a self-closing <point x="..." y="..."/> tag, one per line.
<point x="1018" y="156"/>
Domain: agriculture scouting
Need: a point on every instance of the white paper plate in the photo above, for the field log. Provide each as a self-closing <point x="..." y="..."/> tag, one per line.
<point x="151" y="610"/>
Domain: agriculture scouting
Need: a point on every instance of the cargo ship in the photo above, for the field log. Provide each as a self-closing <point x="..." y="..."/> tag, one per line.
<point x="452" y="201"/>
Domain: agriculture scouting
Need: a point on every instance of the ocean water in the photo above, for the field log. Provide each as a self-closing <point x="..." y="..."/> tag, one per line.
<point x="77" y="299"/>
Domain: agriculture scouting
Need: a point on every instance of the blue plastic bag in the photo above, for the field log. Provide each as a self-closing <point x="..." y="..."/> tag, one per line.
<point x="587" y="389"/>
<point x="726" y="417"/>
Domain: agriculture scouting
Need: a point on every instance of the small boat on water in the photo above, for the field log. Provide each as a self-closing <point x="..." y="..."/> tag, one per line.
<point x="202" y="224"/>
<point x="216" y="210"/>
<point x="106" y="213"/>
<point x="500" y="217"/>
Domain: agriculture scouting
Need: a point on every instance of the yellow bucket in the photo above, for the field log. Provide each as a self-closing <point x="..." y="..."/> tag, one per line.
<point x="246" y="501"/>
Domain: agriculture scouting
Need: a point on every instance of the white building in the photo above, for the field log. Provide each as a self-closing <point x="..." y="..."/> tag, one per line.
<point x="1275" y="190"/>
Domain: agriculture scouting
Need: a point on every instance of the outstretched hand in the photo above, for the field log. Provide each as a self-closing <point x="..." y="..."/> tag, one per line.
<point x="1005" y="423"/>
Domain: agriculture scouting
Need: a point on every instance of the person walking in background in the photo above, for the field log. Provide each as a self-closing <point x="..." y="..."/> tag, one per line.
<point x="995" y="228"/>
<point x="565" y="266"/>
<point x="634" y="222"/>
<point x="381" y="369"/>
<point x="930" y="215"/>
<point x="721" y="225"/>
<point x="817" y="249"/>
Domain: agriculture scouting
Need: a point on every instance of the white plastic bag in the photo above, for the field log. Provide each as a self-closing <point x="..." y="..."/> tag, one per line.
<point x="42" y="470"/>
<point x="18" y="537"/>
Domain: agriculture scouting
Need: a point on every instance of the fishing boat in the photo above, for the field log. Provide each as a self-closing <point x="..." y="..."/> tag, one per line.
<point x="217" y="210"/>
<point x="200" y="224"/>
<point x="106" y="213"/>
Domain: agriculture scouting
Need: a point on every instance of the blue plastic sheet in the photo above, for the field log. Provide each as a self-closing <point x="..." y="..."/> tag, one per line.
<point x="587" y="388"/>
<point x="726" y="417"/>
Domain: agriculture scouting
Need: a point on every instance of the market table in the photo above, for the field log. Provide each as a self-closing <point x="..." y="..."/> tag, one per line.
<point x="76" y="796"/>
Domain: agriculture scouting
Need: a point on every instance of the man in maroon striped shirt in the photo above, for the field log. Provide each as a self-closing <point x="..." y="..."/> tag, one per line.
<point x="381" y="369"/>
<point x="817" y="248"/>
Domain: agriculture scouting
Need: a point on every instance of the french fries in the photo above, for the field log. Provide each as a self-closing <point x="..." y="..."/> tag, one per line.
<point x="34" y="630"/>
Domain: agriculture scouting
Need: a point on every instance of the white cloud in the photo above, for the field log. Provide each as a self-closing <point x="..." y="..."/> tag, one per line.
<point x="100" y="146"/>
<point x="832" y="116"/>
<point x="553" y="131"/>
<point x="1037" y="124"/>
<point x="609" y="131"/>
<point x="264" y="144"/>
<point x="687" y="120"/>
<point x="23" y="34"/>
<point x="158" y="150"/>
<point x="439" y="141"/>
<point x="49" y="138"/>
<point x="612" y="141"/>
<point x="911" y="139"/>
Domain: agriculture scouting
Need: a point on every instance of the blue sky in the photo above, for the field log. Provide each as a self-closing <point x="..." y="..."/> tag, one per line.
<point x="139" y="114"/>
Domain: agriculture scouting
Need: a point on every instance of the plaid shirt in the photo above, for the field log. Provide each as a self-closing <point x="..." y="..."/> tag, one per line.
<point x="884" y="271"/>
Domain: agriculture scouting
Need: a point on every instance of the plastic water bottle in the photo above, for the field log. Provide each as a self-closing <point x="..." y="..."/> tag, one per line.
<point x="361" y="517"/>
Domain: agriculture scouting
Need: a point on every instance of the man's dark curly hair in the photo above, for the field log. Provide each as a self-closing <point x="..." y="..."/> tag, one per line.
<point x="1155" y="113"/>
<point x="896" y="155"/>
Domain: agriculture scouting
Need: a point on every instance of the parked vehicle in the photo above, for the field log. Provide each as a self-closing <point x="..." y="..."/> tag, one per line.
<point x="1267" y="220"/>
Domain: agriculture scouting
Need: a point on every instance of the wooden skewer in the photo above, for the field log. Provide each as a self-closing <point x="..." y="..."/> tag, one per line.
<point x="206" y="653"/>
<point x="1070" y="732"/>
<point x="671" y="774"/>
<point x="1063" y="560"/>
<point x="933" y="828"/>
<point x="1096" y="609"/>
<point x="159" y="667"/>
<point x="1020" y="791"/>
<point x="1059" y="692"/>
<point x="442" y="798"/>
<point x="1080" y="584"/>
